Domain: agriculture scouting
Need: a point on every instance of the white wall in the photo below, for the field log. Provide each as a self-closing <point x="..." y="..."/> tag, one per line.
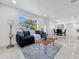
<point x="6" y="14"/>
<point x="9" y="13"/>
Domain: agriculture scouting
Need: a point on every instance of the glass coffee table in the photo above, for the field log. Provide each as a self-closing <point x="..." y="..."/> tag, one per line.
<point x="46" y="42"/>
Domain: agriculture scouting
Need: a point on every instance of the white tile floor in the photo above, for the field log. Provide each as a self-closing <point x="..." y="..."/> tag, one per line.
<point x="12" y="53"/>
<point x="69" y="50"/>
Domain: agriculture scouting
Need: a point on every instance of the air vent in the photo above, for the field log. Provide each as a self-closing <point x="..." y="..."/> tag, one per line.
<point x="72" y="1"/>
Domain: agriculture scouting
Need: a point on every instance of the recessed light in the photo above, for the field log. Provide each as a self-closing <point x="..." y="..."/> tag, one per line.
<point x="73" y="53"/>
<point x="74" y="47"/>
<point x="14" y="1"/>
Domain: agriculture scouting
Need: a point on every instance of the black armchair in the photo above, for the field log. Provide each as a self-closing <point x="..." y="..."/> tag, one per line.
<point x="24" y="39"/>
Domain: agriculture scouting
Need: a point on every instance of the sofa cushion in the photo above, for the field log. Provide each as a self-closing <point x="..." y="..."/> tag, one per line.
<point x="26" y="33"/>
<point x="21" y="34"/>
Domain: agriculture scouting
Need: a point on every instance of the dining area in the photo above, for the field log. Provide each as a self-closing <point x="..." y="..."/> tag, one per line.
<point x="60" y="32"/>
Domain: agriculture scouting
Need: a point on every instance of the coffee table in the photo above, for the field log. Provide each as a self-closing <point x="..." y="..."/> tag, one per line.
<point x="46" y="42"/>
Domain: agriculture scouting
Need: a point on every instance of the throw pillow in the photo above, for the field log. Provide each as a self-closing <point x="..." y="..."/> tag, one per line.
<point x="26" y="33"/>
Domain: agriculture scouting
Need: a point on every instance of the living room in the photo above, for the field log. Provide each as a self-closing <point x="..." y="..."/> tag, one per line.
<point x="65" y="46"/>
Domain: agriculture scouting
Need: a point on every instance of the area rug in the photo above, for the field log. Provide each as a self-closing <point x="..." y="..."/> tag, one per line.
<point x="35" y="51"/>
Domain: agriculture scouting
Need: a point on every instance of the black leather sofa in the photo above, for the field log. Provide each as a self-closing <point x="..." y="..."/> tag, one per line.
<point x="24" y="39"/>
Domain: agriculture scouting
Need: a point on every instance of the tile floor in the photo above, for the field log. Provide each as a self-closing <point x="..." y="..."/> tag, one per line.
<point x="69" y="50"/>
<point x="12" y="53"/>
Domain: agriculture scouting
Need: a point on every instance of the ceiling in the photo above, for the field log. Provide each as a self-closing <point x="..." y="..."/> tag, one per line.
<point x="47" y="8"/>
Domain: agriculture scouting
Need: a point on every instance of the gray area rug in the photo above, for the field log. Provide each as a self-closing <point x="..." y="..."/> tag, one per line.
<point x="35" y="51"/>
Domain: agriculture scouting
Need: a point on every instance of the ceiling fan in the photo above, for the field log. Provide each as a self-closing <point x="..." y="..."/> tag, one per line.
<point x="72" y="1"/>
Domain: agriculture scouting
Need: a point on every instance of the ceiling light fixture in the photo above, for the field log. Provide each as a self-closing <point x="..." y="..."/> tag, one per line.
<point x="73" y="53"/>
<point x="74" y="47"/>
<point x="14" y="1"/>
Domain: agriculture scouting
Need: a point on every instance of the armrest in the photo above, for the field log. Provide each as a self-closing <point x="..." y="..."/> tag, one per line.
<point x="18" y="37"/>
